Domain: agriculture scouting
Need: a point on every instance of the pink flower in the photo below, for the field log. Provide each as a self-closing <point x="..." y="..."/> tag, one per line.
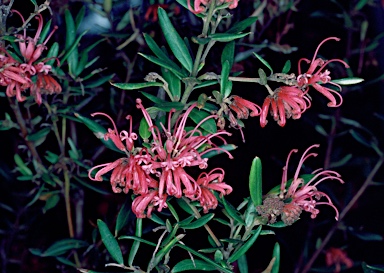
<point x="335" y="257"/>
<point x="147" y="202"/>
<point x="213" y="181"/>
<point x="127" y="173"/>
<point x="321" y="76"/>
<point x="200" y="6"/>
<point x="285" y="102"/>
<point x="241" y="107"/>
<point x="180" y="150"/>
<point x="304" y="196"/>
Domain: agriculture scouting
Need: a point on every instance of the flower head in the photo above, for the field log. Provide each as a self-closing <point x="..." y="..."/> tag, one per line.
<point x="302" y="195"/>
<point x="209" y="182"/>
<point x="285" y="102"/>
<point x="180" y="149"/>
<point x="200" y="6"/>
<point x="316" y="76"/>
<point x="336" y="257"/>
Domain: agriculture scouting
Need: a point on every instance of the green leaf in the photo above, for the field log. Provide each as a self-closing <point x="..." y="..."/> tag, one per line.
<point x="186" y="221"/>
<point x="199" y="222"/>
<point x="228" y="54"/>
<point x="279" y="224"/>
<point x="42" y="134"/>
<point x="51" y="202"/>
<point x="136" y="244"/>
<point x="255" y="182"/>
<point x="243" y="264"/>
<point x="133" y="86"/>
<point x="166" y="249"/>
<point x="174" y="83"/>
<point x="173" y="212"/>
<point x="168" y="106"/>
<point x="124" y="21"/>
<point x="44" y="32"/>
<point x="60" y="247"/>
<point x="242" y="25"/>
<point x="98" y="130"/>
<point x="182" y="204"/>
<point x="141" y="240"/>
<point x="224" y="79"/>
<point x="185" y="5"/>
<point x="160" y="62"/>
<point x="224" y="37"/>
<point x="287" y="67"/>
<point x="22" y="167"/>
<point x="208" y="125"/>
<point x="276" y="255"/>
<point x="52" y="53"/>
<point x="34" y="2"/>
<point x="232" y="211"/>
<point x="361" y="4"/>
<point x="174" y="41"/>
<point x="144" y="129"/>
<point x="263" y="61"/>
<point x="227" y="147"/>
<point x="194" y="265"/>
<point x="79" y="17"/>
<point x="98" y="82"/>
<point x="110" y="242"/>
<point x="372" y="269"/>
<point x="157" y="219"/>
<point x="201" y="256"/>
<point x="348" y="81"/>
<point x="244" y="248"/>
<point x="123" y="216"/>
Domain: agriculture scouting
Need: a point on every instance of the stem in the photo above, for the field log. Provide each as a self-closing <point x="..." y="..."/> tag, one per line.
<point x="24" y="131"/>
<point x="198" y="215"/>
<point x="351" y="203"/>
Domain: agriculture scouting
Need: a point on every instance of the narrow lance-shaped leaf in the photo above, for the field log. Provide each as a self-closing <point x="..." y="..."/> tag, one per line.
<point x="243" y="264"/>
<point x="136" y="244"/>
<point x="232" y="211"/>
<point x="199" y="222"/>
<point x="287" y="67"/>
<point x="133" y="86"/>
<point x="174" y="83"/>
<point x="194" y="265"/>
<point x="110" y="242"/>
<point x="158" y="61"/>
<point x="224" y="37"/>
<point x="261" y="59"/>
<point x="242" y="25"/>
<point x="244" y="248"/>
<point x="228" y="54"/>
<point x="255" y="182"/>
<point x="276" y="255"/>
<point x="208" y="125"/>
<point x="123" y="216"/>
<point x="174" y="41"/>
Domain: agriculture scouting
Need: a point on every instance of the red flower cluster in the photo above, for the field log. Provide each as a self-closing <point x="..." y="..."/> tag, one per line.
<point x="157" y="172"/>
<point x="20" y="75"/>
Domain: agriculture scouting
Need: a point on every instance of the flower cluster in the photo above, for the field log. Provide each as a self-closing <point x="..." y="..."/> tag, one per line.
<point x="155" y="172"/>
<point x="300" y="195"/>
<point x="292" y="101"/>
<point x="200" y="6"/>
<point x="19" y="75"/>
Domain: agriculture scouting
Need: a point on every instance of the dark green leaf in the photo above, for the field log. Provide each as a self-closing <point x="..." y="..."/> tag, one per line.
<point x="348" y="81"/>
<point x="42" y="134"/>
<point x="137" y="239"/>
<point x="144" y="129"/>
<point x="276" y="255"/>
<point x="198" y="115"/>
<point x="242" y="25"/>
<point x="51" y="202"/>
<point x="166" y="249"/>
<point x="224" y="78"/>
<point x="136" y="244"/>
<point x="123" y="216"/>
<point x="44" y="32"/>
<point x="278" y="224"/>
<point x="232" y="211"/>
<point x="287" y="67"/>
<point x="153" y="98"/>
<point x="243" y="264"/>
<point x="182" y="204"/>
<point x="79" y="17"/>
<point x="205" y="84"/>
<point x="168" y="106"/>
<point x="199" y="222"/>
<point x="52" y="53"/>
<point x="228" y="54"/>
<point x="133" y="86"/>
<point x="157" y="219"/>
<point x="372" y="269"/>
<point x="173" y="212"/>
<point x="192" y="265"/>
<point x="177" y="72"/>
<point x="263" y="61"/>
<point x="174" y="83"/>
<point x="110" y="242"/>
<point x="63" y="246"/>
<point x="224" y="37"/>
<point x="255" y="182"/>
<point x="98" y="82"/>
<point x="174" y="41"/>
<point x="244" y="248"/>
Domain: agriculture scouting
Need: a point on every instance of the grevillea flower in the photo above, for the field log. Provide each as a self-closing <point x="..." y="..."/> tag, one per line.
<point x="147" y="202"/>
<point x="316" y="76"/>
<point x="200" y="6"/>
<point x="19" y="76"/>
<point x="336" y="257"/>
<point x="180" y="150"/>
<point x="285" y="102"/>
<point x="209" y="182"/>
<point x="302" y="195"/>
<point x="127" y="173"/>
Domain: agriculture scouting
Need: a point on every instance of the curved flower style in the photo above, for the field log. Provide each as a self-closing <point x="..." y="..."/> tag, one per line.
<point x="337" y="256"/>
<point x="18" y="76"/>
<point x="201" y="5"/>
<point x="321" y="76"/>
<point x="213" y="181"/>
<point x="126" y="172"/>
<point x="304" y="196"/>
<point x="181" y="149"/>
<point x="285" y="102"/>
